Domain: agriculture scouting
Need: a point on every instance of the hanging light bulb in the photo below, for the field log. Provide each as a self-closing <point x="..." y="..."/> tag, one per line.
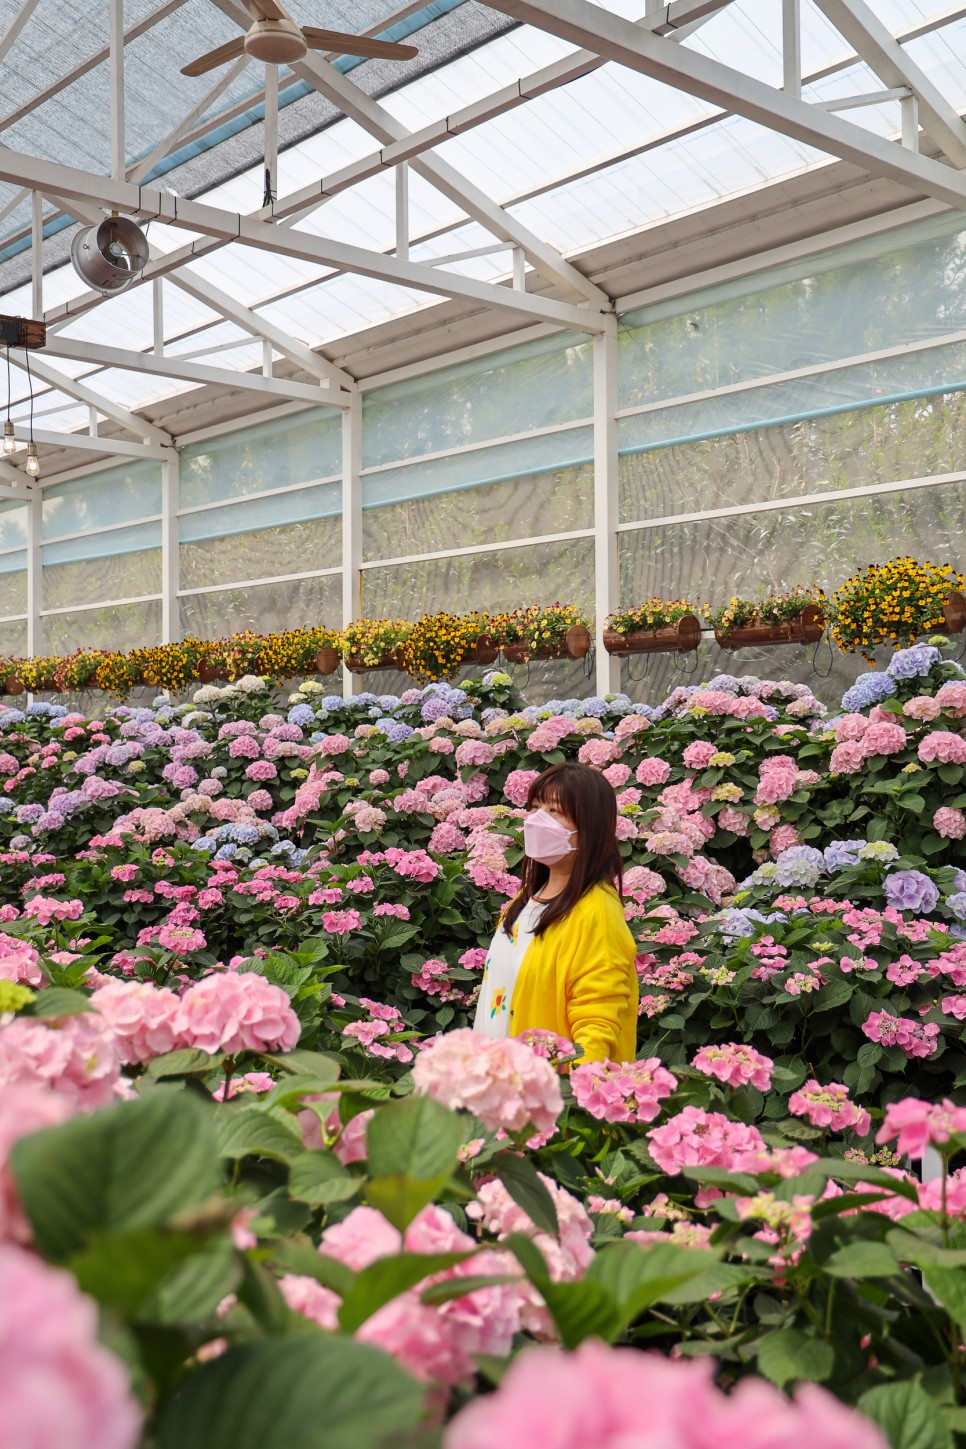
<point x="9" y="441"/>
<point x="33" y="462"/>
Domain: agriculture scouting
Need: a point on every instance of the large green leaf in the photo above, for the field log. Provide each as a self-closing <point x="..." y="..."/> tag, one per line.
<point x="319" y="1177"/>
<point x="412" y="1149"/>
<point x="124" y="1270"/>
<point x="908" y="1416"/>
<point x="316" y="1391"/>
<point x="789" y="1355"/>
<point x="186" y="1062"/>
<point x="129" y="1166"/>
<point x="255" y="1132"/>
<point x="638" y="1277"/>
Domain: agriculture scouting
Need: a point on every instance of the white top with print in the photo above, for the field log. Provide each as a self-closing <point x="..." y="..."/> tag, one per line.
<point x="503" y="961"/>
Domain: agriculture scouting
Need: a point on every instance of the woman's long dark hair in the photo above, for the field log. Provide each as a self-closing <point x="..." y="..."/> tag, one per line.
<point x="589" y="800"/>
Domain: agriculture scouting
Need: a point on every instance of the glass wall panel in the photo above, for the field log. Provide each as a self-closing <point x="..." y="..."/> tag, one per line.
<point x="94" y="546"/>
<point x="13" y="638"/>
<point x="503" y="580"/>
<point x="118" y="495"/>
<point x="496" y="396"/>
<point x="325" y="501"/>
<point x="287" y="450"/>
<point x="755" y="553"/>
<point x="113" y="626"/>
<point x="282" y="605"/>
<point x="914" y="439"/>
<point x="551" y="502"/>
<point x="315" y="544"/>
<point x="13" y="584"/>
<point x="897" y="287"/>
<point x="501" y="463"/>
<point x="13" y="524"/>
<point x="123" y="576"/>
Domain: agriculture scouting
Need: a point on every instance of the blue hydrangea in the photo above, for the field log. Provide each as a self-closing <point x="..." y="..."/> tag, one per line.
<point x="21" y="842"/>
<point x="956" y="905"/>
<point x="959" y="881"/>
<point x="800" y="865"/>
<point x="840" y="854"/>
<point x="283" y="847"/>
<point x="301" y="714"/>
<point x="595" y="707"/>
<point x="389" y="702"/>
<point x="910" y="890"/>
<point x="205" y="844"/>
<point x="868" y="689"/>
<point x="333" y="703"/>
<point x="740" y="922"/>
<point x="225" y="852"/>
<point x="365" y="698"/>
<point x="913" y="663"/>
<point x="434" y="708"/>
<point x="728" y="682"/>
<point x="242" y="834"/>
<point x="494" y="713"/>
<point x="40" y="707"/>
<point x="394" y="730"/>
<point x="11" y="717"/>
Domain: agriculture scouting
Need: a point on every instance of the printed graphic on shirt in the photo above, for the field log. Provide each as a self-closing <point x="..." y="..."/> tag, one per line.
<point x="499" y="1001"/>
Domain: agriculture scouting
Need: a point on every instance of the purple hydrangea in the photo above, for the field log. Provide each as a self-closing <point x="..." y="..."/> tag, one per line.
<point x="840" y="854"/>
<point x="913" y="663"/>
<point x="301" y="714"/>
<point x="434" y="708"/>
<point x="910" y="890"/>
<point x="394" y="730"/>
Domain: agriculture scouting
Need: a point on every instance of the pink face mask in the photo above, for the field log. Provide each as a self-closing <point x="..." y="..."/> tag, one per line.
<point x="545" y="839"/>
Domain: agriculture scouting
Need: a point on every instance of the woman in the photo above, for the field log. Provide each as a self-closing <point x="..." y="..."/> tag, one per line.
<point x="562" y="958"/>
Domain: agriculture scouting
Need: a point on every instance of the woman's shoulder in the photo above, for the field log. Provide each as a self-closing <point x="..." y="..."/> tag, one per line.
<point x="600" y="900"/>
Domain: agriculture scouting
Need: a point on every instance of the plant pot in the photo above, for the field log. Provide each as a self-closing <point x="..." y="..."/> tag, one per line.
<point x="326" y="660"/>
<point x="484" y="651"/>
<point x="12" y="685"/>
<point x="388" y="661"/>
<point x="954" y="612"/>
<point x="806" y="628"/>
<point x="679" y="638"/>
<point x="575" y="644"/>
<point x="207" y="672"/>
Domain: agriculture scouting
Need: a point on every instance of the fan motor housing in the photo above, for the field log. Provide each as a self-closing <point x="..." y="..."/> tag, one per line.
<point x="109" y="256"/>
<point x="276" y="42"/>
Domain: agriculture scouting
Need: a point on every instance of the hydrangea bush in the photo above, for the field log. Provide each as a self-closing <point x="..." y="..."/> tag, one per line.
<point x="251" y="1195"/>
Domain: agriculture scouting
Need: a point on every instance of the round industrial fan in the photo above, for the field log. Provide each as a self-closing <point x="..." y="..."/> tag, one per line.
<point x="275" y="38"/>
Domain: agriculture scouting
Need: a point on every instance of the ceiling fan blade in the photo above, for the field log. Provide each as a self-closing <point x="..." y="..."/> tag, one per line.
<point x="215" y="58"/>
<point x="365" y="45"/>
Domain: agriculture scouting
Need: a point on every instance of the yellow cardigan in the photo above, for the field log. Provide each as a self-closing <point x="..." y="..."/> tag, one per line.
<point x="578" y="979"/>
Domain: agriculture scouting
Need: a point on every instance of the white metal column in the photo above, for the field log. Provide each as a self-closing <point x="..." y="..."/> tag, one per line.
<point x="34" y="575"/>
<point x="351" y="521"/>
<point x="606" y="500"/>
<point x="170" y="570"/>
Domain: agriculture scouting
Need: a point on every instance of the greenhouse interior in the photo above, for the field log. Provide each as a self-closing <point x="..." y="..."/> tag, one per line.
<point x="483" y="724"/>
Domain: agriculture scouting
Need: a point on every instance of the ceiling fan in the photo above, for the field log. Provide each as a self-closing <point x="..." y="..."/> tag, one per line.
<point x="275" y="39"/>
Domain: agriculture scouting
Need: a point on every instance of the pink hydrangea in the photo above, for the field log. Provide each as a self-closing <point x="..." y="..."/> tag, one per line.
<point x="623" y="1398"/>
<point x="181" y="940"/>
<point x="942" y="747"/>
<point x="19" y="961"/>
<point x="829" y="1106"/>
<point x="340" y="923"/>
<point x="566" y="1255"/>
<point x="695" y="1138"/>
<point x="622" y="1091"/>
<point x="235" y="1012"/>
<point x="23" y="1110"/>
<point x="697" y="755"/>
<point x="952" y="696"/>
<point x="501" y="1081"/>
<point x="58" y="1385"/>
<point x="45" y="909"/>
<point x="642" y="884"/>
<point x="916" y="1038"/>
<point x="518" y="784"/>
<point x="735" y="1064"/>
<point x="948" y="822"/>
<point x="74" y="1055"/>
<point x="142" y="1016"/>
<point x="598" y="753"/>
<point x="915" y="1125"/>
<point x="847" y="758"/>
<point x="886" y="737"/>
<point x="653" y="771"/>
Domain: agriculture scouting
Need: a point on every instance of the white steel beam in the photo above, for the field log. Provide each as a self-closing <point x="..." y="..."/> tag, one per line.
<point x="675" y="65"/>
<point x="606" y="503"/>
<point x="17" y="24"/>
<point x="84" y="443"/>
<point x="179" y="368"/>
<point x="75" y="388"/>
<point x="351" y="523"/>
<point x="170" y="563"/>
<point x="229" y="226"/>
<point x="894" y="66"/>
<point x="35" y="582"/>
<point x="36" y="254"/>
<point x="329" y="375"/>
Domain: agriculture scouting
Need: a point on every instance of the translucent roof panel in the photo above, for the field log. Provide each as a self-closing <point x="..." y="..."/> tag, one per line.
<point x="599" y="158"/>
